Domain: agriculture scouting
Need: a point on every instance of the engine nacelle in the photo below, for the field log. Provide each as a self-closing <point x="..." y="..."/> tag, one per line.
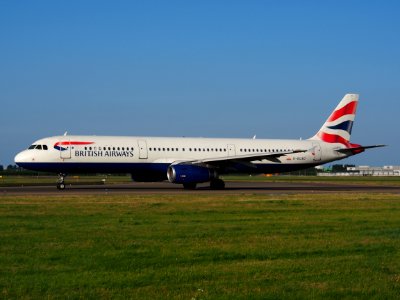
<point x="190" y="174"/>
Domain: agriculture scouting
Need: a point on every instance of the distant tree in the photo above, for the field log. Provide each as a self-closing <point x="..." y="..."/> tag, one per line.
<point x="11" y="167"/>
<point x="1" y="168"/>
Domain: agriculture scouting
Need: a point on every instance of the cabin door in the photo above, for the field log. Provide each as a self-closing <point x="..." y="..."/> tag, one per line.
<point x="65" y="149"/>
<point x="142" y="149"/>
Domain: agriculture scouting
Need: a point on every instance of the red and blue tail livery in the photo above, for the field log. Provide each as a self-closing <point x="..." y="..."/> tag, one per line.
<point x="338" y="127"/>
<point x="189" y="161"/>
<point x="58" y="145"/>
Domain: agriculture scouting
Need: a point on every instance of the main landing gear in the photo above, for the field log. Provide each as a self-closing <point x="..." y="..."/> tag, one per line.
<point x="60" y="182"/>
<point x="189" y="186"/>
<point x="217" y="184"/>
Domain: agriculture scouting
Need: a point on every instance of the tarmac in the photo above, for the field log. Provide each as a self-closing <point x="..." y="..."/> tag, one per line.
<point x="232" y="187"/>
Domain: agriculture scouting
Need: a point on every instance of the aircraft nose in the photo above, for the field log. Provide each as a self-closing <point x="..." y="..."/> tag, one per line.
<point x="22" y="157"/>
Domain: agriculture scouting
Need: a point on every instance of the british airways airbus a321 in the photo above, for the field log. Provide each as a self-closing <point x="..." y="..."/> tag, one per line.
<point x="189" y="161"/>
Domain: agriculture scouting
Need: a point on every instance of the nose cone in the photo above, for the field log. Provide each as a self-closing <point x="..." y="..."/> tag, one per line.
<point x="22" y="157"/>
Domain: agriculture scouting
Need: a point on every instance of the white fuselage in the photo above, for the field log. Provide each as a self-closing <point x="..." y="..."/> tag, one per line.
<point x="152" y="155"/>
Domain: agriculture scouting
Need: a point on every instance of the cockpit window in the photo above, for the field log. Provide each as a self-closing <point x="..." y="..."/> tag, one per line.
<point x="32" y="147"/>
<point x="39" y="147"/>
<point x="44" y="147"/>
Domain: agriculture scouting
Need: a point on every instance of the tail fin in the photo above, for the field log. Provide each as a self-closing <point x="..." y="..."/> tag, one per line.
<point x="337" y="128"/>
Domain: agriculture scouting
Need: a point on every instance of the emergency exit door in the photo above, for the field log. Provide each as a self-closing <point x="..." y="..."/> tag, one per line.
<point x="142" y="149"/>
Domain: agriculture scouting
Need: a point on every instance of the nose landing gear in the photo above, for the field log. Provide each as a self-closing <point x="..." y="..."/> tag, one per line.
<point x="60" y="182"/>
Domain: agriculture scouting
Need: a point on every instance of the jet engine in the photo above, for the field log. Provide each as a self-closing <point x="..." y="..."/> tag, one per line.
<point x="187" y="174"/>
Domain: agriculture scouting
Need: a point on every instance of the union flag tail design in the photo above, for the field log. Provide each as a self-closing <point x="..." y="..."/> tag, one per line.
<point x="337" y="128"/>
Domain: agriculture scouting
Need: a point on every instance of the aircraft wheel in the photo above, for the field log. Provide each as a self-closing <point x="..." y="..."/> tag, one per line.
<point x="189" y="186"/>
<point x="217" y="184"/>
<point x="61" y="186"/>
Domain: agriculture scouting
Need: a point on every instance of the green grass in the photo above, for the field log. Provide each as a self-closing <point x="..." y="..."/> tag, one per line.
<point x="13" y="180"/>
<point x="364" y="180"/>
<point x="200" y="247"/>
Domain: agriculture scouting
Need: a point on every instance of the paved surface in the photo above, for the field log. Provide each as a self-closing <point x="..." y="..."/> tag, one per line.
<point x="232" y="187"/>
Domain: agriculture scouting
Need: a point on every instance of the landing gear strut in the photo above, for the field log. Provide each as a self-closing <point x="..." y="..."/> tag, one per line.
<point x="189" y="186"/>
<point x="60" y="182"/>
<point x="217" y="184"/>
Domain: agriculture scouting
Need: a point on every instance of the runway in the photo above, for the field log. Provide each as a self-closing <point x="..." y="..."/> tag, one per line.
<point x="232" y="187"/>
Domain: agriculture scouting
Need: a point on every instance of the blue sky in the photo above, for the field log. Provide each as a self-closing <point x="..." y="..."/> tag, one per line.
<point x="198" y="68"/>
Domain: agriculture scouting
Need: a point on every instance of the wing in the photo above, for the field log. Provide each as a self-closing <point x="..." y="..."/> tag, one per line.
<point x="243" y="159"/>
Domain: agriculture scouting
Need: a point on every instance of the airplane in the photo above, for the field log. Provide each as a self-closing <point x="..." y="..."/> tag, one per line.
<point x="190" y="161"/>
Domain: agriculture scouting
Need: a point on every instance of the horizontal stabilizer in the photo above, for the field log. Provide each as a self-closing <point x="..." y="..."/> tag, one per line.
<point x="358" y="149"/>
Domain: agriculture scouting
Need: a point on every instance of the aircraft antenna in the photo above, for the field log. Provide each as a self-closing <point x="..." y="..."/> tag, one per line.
<point x="65" y="133"/>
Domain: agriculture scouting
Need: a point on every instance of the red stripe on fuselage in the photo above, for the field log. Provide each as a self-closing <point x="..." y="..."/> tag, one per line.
<point x="72" y="143"/>
<point x="348" y="109"/>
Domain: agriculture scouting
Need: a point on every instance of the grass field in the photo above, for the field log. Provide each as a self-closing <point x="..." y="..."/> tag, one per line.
<point x="370" y="180"/>
<point x="51" y="180"/>
<point x="98" y="179"/>
<point x="200" y="247"/>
